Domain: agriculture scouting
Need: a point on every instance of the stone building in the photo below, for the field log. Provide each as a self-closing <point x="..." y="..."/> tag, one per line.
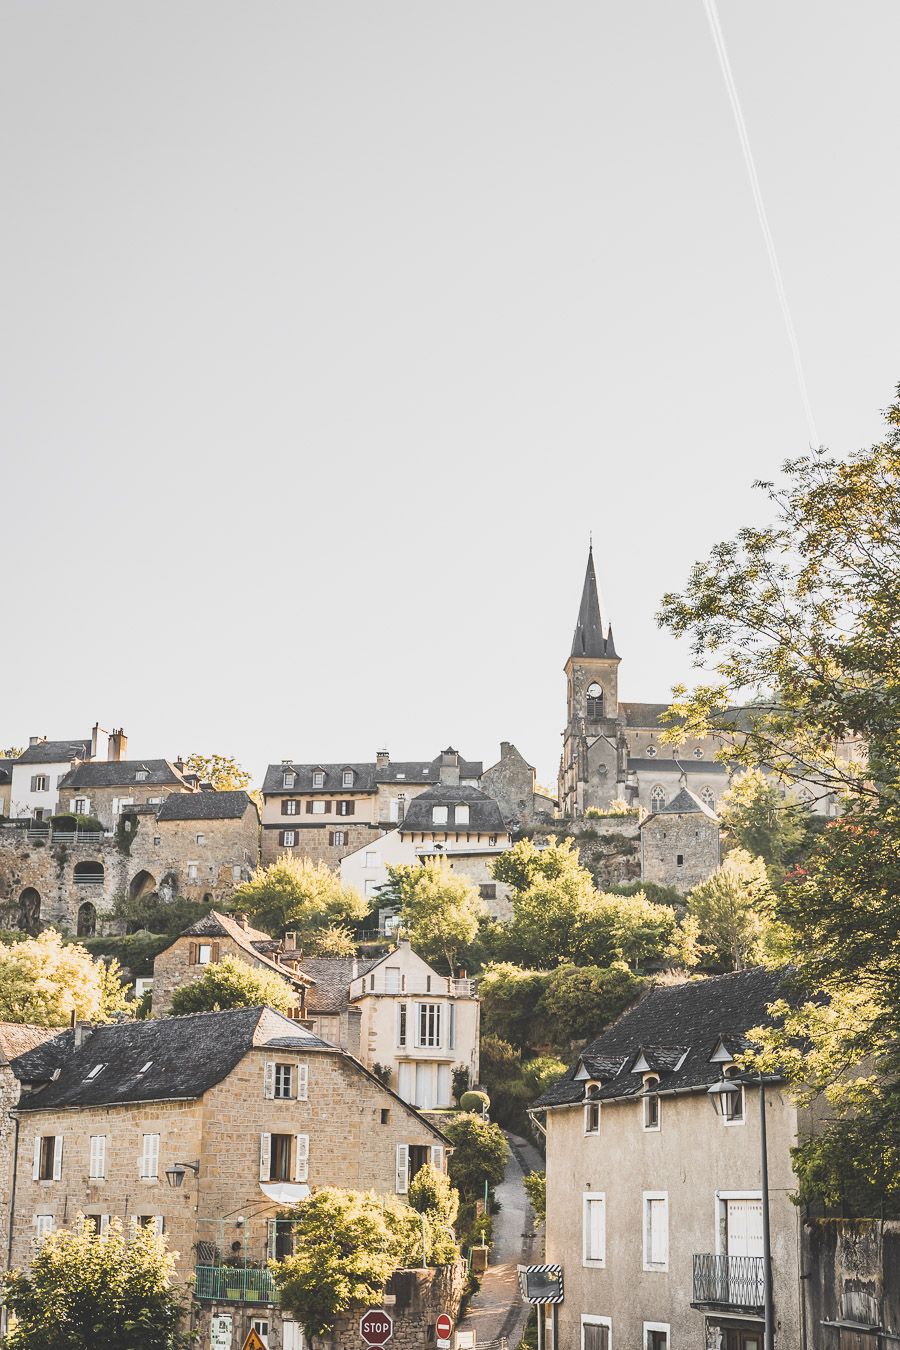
<point x="105" y="789"/>
<point x="205" y="1127"/>
<point x="6" y="766"/>
<point x="512" y="782"/>
<point x="325" y="811"/>
<point x="15" y="1039"/>
<point x="680" y="843"/>
<point x="453" y="817"/>
<point x="366" y="869"/>
<point x="39" y="770"/>
<point x="654" y="1201"/>
<point x="210" y="939"/>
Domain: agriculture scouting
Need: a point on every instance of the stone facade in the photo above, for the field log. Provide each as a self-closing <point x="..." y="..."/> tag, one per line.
<point x="512" y="784"/>
<point x="322" y="842"/>
<point x="851" y="1297"/>
<point x="680" y="845"/>
<point x="206" y="943"/>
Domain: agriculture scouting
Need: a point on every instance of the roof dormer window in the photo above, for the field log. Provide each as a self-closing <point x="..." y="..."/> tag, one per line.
<point x="347" y="778"/>
<point x="288" y="779"/>
<point x="439" y="815"/>
<point x="461" y="815"/>
<point x="145" y="1067"/>
<point x="95" y="1072"/>
<point x="141" y="776"/>
<point x="318" y="778"/>
<point x="651" y="1102"/>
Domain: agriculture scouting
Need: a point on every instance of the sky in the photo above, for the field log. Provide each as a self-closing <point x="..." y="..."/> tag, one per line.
<point x="330" y="331"/>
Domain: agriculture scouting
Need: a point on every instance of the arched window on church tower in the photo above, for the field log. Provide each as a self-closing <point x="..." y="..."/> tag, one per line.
<point x="707" y="796"/>
<point x="657" y="798"/>
<point x="594" y="700"/>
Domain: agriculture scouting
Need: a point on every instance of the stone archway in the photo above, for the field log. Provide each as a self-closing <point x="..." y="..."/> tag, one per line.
<point x="142" y="886"/>
<point x="87" y="919"/>
<point x="29" y="916"/>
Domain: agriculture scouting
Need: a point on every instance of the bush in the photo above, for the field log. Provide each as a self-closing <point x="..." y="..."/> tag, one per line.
<point x="460" y="1078"/>
<point x="231" y="983"/>
<point x="476" y="1101"/>
<point x="480" y="1154"/>
<point x="135" y="953"/>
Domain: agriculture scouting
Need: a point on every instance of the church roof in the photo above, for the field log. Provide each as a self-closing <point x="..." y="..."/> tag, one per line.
<point x="589" y="639"/>
<point x="684" y="804"/>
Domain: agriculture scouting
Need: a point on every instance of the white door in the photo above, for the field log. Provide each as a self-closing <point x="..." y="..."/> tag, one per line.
<point x="425" y="1087"/>
<point x="406" y="1081"/>
<point x="443" y="1085"/>
<point x="292" y="1336"/>
<point x="743" y="1228"/>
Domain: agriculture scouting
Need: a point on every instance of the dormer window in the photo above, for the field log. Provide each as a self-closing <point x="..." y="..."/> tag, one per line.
<point x="594" y="706"/>
<point x="347" y="778"/>
<point x="318" y="778"/>
<point x="141" y="776"/>
<point x="145" y="1067"/>
<point x="651" y="1102"/>
<point x="439" y="815"/>
<point x="288" y="779"/>
<point x="462" y="814"/>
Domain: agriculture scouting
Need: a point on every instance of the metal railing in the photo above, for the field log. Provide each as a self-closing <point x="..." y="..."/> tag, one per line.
<point x="32" y="833"/>
<point x="729" y="1281"/>
<point x="234" y="1284"/>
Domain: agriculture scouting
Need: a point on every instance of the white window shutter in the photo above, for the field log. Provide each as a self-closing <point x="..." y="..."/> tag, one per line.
<point x="269" y="1078"/>
<point x="301" y="1157"/>
<point x="271" y="1237"/>
<point x="302" y="1082"/>
<point x="57" y="1157"/>
<point x="71" y="803"/>
<point x="265" y="1157"/>
<point x="158" y="1224"/>
<point x="437" y="1157"/>
<point x="150" y="1158"/>
<point x="104" y="1222"/>
<point x="402" y="1182"/>
<point x="35" y="1171"/>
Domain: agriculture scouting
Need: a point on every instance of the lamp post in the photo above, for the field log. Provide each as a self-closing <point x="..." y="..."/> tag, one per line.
<point x="176" y="1173"/>
<point x="720" y="1094"/>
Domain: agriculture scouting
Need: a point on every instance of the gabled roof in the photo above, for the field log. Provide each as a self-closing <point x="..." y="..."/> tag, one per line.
<point x="694" y="1016"/>
<point x="55" y="752"/>
<point x="215" y="924"/>
<point x="367" y="775"/>
<point x="100" y="773"/>
<point x="209" y="805"/>
<point x="332" y="976"/>
<point x="485" y="816"/>
<point x="684" y="803"/>
<point x="689" y="767"/>
<point x="589" y="639"/>
<point x="186" y="1057"/>
<point x="18" y="1038"/>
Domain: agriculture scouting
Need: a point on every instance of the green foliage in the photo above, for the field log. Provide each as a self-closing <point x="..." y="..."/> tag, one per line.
<point x="509" y="997"/>
<point x="222" y="771"/>
<point x="475" y="1100"/>
<point x="125" y="832"/>
<point x="618" y="807"/>
<point x="733" y="911"/>
<point x="149" y="913"/>
<point x="440" y="909"/>
<point x="536" y="1189"/>
<point x="84" y="1291"/>
<point x="13" y="752"/>
<point x="135" y="952"/>
<point x="43" y="980"/>
<point x="431" y="1194"/>
<point x="383" y="1073"/>
<point x="480" y="1154"/>
<point x="853" y="1164"/>
<point x="579" y="1001"/>
<point x="69" y="820"/>
<point x="334" y="940"/>
<point x="232" y="983"/>
<point x="460" y="1080"/>
<point x="296" y="893"/>
<point x="758" y="819"/>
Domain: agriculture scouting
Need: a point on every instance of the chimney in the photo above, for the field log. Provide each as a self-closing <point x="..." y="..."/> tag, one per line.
<point x="243" y="921"/>
<point x="179" y="764"/>
<point x="118" y="742"/>
<point x="450" y="767"/>
<point x="83" y="1031"/>
<point x="382" y="759"/>
<point x="290" y="942"/>
<point x="504" y="749"/>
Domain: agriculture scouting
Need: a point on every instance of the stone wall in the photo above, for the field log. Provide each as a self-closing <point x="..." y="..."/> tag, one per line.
<point x="853" y="1276"/>
<point x="609" y="848"/>
<point x="313" y="839"/>
<point x="173" y="968"/>
<point x="511" y="784"/>
<point x="679" y="850"/>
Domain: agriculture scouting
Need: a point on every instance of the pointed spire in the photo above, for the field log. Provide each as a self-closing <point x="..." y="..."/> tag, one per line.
<point x="588" y="639"/>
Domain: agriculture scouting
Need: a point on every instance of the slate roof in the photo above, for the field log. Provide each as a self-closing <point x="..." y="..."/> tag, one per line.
<point x="55" y="752"/>
<point x="692" y="1016"/>
<point x="367" y="775"/>
<point x="214" y="924"/>
<point x="685" y="766"/>
<point x="589" y="639"/>
<point x="6" y="766"/>
<point x="100" y="773"/>
<point x="18" y="1038"/>
<point x="651" y="715"/>
<point x="684" y="803"/>
<point x="332" y="976"/>
<point x="208" y="805"/>
<point x="187" y="1056"/>
<point x="485" y="816"/>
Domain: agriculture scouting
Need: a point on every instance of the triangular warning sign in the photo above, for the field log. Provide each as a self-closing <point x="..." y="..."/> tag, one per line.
<point x="253" y="1341"/>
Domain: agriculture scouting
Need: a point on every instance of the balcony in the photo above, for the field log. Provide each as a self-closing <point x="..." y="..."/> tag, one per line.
<point x="233" y="1284"/>
<point x="735" y="1282"/>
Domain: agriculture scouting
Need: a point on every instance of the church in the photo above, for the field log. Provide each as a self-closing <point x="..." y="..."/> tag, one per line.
<point x="613" y="751"/>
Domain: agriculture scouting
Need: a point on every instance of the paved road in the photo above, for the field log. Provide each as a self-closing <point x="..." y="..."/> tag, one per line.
<point x="497" y="1309"/>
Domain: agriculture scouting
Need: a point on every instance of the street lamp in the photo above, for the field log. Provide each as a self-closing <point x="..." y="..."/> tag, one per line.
<point x="721" y="1094"/>
<point x="175" y="1173"/>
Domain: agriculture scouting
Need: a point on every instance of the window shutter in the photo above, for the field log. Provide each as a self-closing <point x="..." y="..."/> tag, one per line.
<point x="309" y="807"/>
<point x="351" y="808"/>
<point x="194" y="953"/>
<point x="35" y="1171"/>
<point x="284" y="806"/>
<point x="269" y="1078"/>
<point x="402" y="1182"/>
<point x="150" y="1156"/>
<point x="331" y="837"/>
<point x="104" y="1222"/>
<point x="302" y="1082"/>
<point x="265" y="1157"/>
<point x="328" y="808"/>
<point x="271" y="1238"/>
<point x="214" y="952"/>
<point x="451" y="1044"/>
<point x="33" y="781"/>
<point x="437" y="1157"/>
<point x="158" y="1224"/>
<point x="301" y="1157"/>
<point x="57" y="1157"/>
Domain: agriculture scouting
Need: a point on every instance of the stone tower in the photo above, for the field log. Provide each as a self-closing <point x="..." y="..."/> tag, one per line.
<point x="593" y="760"/>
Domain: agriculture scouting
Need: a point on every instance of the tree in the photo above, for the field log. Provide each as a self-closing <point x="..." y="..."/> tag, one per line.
<point x="44" y="980"/>
<point x="733" y="911"/>
<point x="222" y="771"/>
<point x="13" y="752"/>
<point x="232" y="983"/>
<point x="431" y="1194"/>
<point x="297" y="893"/>
<point x="439" y="908"/>
<point x="509" y="998"/>
<point x="580" y="1001"/>
<point x="536" y="1188"/>
<point x="480" y="1154"/>
<point x="761" y="820"/>
<point x="84" y="1291"/>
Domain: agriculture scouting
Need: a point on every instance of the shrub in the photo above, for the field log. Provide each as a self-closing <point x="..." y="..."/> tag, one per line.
<point x="475" y="1100"/>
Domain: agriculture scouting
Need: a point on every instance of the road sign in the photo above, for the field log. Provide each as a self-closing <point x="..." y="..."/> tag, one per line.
<point x="220" y="1332"/>
<point x="254" y="1341"/>
<point x="443" y="1327"/>
<point x="376" y="1327"/>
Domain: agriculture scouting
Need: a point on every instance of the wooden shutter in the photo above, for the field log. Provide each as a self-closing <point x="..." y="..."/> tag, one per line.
<point x="437" y="1157"/>
<point x="309" y="807"/>
<point x="265" y="1157"/>
<point x="351" y="809"/>
<point x="301" y="1157"/>
<point x="284" y="808"/>
<point x="150" y="1156"/>
<point x="328" y="808"/>
<point x="402" y="1178"/>
<point x="331" y="837"/>
<point x="159" y="1224"/>
<point x="194" y="953"/>
<point x="36" y="1169"/>
<point x="215" y="947"/>
<point x="302" y="1082"/>
<point x="104" y="1222"/>
<point x="57" y="1157"/>
<point x="271" y="1238"/>
<point x="269" y="1078"/>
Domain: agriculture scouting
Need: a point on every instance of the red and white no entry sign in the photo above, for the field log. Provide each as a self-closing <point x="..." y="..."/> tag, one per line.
<point x="444" y="1327"/>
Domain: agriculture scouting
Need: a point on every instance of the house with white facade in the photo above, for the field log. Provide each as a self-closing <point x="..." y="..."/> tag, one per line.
<point x="36" y="776"/>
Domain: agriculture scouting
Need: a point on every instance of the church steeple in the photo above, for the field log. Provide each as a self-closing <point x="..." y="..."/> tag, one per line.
<point x="589" y="639"/>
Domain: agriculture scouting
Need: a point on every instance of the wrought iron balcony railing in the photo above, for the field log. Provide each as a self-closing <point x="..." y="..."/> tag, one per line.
<point x="234" y="1284"/>
<point x="729" y="1281"/>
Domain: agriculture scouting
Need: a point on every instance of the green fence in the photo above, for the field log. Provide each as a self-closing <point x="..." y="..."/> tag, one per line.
<point x="234" y="1284"/>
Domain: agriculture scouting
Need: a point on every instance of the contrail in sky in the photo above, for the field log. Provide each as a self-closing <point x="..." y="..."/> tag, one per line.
<point x="712" y="15"/>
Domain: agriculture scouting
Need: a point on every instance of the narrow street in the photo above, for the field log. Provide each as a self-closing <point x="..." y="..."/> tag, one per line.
<point x="497" y="1310"/>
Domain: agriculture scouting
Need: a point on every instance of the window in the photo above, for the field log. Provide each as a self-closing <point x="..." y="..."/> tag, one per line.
<point x="385" y="1115"/>
<point x="679" y="860"/>
<point x="261" y="1326"/>
<point x="154" y="801"/>
<point x="651" y="1111"/>
<point x="392" y="979"/>
<point x="150" y="1158"/>
<point x="289" y="807"/>
<point x="97" y="1157"/>
<point x="592" y="1118"/>
<point x="288" y="779"/>
<point x="651" y="752"/>
<point x="94" y="1072"/>
<point x="401" y="1181"/>
<point x="347" y="778"/>
<point x="439" y="815"/>
<point x="656" y="1230"/>
<point x="154" y="1221"/>
<point x="708" y="798"/>
<point x="594" y="1229"/>
<point x="292" y="1337"/>
<point x="318" y="808"/>
<point x="461" y="814"/>
<point x="43" y="1224"/>
<point x="451" y="1029"/>
<point x="594" y="706"/>
<point x="492" y="839"/>
<point x="345" y="808"/>
<point x="734" y="1106"/>
<point x="200" y="838"/>
<point x="283" y="1157"/>
<point x="697" y="752"/>
<point x="48" y="1152"/>
<point x="338" y="838"/>
<point x="148" y="1064"/>
<point x="401" y="1025"/>
<point x="488" y="890"/>
<point x="204" y="953"/>
<point x="373" y="858"/>
<point x="596" y="1333"/>
<point x="80" y="805"/>
<point x="141" y="776"/>
<point x="157" y="839"/>
<point x="656" y="1336"/>
<point x="318" y="778"/>
<point x="237" y="872"/>
<point x="285" y="1081"/>
<point x="288" y="838"/>
<point x="428" y="1024"/>
<point x="96" y="1224"/>
<point x="657" y="798"/>
<point x="40" y="783"/>
<point x="193" y="871"/>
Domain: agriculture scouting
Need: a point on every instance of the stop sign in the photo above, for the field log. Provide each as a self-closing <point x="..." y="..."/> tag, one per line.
<point x="376" y="1327"/>
<point x="443" y="1327"/>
